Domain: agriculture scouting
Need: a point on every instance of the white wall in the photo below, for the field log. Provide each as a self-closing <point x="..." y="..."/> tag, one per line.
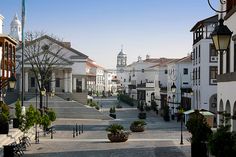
<point x="1" y="23"/>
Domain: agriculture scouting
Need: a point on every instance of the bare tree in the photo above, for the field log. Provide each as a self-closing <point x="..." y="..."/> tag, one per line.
<point x="43" y="53"/>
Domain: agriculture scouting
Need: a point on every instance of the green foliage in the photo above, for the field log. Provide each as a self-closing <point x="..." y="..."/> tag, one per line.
<point x="45" y="121"/>
<point x="198" y="127"/>
<point x="139" y="123"/>
<point x="28" y="120"/>
<point x="115" y="128"/>
<point x="18" y="109"/>
<point x="112" y="109"/>
<point x="4" y="115"/>
<point x="52" y="115"/>
<point x="222" y="143"/>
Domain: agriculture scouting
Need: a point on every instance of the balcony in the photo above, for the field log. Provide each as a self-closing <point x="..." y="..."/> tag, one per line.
<point x="149" y="84"/>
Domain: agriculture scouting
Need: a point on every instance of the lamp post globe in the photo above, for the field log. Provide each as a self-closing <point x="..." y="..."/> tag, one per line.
<point x="221" y="36"/>
<point x="173" y="88"/>
<point x="12" y="81"/>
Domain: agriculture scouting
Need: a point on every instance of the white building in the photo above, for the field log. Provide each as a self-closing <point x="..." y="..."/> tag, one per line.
<point x="227" y="68"/>
<point x="179" y="73"/>
<point x="110" y="81"/>
<point x="204" y="61"/>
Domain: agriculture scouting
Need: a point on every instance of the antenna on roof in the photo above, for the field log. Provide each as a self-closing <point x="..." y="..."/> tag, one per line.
<point x="122" y="46"/>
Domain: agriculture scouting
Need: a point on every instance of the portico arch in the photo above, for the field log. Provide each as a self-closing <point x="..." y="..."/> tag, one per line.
<point x="221" y="109"/>
<point x="228" y="110"/>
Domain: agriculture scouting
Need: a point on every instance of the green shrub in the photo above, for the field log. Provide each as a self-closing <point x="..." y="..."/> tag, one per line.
<point x="18" y="109"/>
<point x="4" y="115"/>
<point x="115" y="128"/>
<point x="198" y="127"/>
<point x="52" y="115"/>
<point x="139" y="123"/>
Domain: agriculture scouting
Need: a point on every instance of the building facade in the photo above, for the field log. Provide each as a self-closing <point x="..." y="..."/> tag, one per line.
<point x="205" y="66"/>
<point x="226" y="78"/>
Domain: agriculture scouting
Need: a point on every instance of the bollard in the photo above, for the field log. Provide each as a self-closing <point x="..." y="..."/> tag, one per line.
<point x="82" y="128"/>
<point x="51" y="134"/>
<point x="76" y="129"/>
<point x="38" y="137"/>
<point x="73" y="134"/>
<point x="79" y="129"/>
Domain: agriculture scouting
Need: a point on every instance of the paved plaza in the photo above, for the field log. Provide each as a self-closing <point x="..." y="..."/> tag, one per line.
<point x="160" y="139"/>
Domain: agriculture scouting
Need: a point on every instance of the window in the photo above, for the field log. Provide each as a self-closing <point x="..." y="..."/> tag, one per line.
<point x="142" y="70"/>
<point x="57" y="82"/>
<point x="166" y="71"/>
<point x="213" y="74"/>
<point x="78" y="86"/>
<point x="32" y="80"/>
<point x="199" y="73"/>
<point x="185" y="71"/>
<point x="124" y="80"/>
<point x="199" y="53"/>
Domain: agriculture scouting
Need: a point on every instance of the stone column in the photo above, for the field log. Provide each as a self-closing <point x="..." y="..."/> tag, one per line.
<point x="70" y="82"/>
<point x="74" y="84"/>
<point x="26" y="81"/>
<point x="53" y="82"/>
<point x="83" y="84"/>
<point x="65" y="81"/>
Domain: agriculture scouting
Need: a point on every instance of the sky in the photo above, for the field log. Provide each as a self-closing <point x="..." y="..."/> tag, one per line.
<point x="98" y="28"/>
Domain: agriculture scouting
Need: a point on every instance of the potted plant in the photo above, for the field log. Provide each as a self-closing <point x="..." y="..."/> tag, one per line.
<point x="17" y="119"/>
<point x="201" y="131"/>
<point x="117" y="133"/>
<point x="113" y="112"/>
<point x="138" y="126"/>
<point x="4" y="118"/>
<point x="142" y="115"/>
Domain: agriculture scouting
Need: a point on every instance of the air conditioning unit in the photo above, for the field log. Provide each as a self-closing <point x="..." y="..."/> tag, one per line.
<point x="213" y="81"/>
<point x="214" y="58"/>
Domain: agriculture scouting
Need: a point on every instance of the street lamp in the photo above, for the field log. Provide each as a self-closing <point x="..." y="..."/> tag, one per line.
<point x="221" y="35"/>
<point x="173" y="89"/>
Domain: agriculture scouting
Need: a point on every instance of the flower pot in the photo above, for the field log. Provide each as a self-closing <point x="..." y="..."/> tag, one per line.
<point x="134" y="128"/>
<point x="4" y="129"/>
<point x="120" y="137"/>
<point x="16" y="123"/>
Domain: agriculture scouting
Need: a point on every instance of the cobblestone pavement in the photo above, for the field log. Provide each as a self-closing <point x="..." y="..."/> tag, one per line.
<point x="160" y="139"/>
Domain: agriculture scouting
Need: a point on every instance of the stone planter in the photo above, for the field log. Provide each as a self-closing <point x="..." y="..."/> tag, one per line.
<point x="120" y="137"/>
<point x="134" y="128"/>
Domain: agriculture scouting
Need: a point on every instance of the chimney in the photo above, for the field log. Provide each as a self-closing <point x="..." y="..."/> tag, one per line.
<point x="67" y="44"/>
<point x="147" y="56"/>
<point x="1" y="24"/>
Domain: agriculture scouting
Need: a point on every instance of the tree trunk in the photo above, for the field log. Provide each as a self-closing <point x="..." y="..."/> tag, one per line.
<point x="41" y="103"/>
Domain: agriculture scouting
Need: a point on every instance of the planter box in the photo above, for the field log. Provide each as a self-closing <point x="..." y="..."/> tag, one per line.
<point x="4" y="129"/>
<point x="120" y="137"/>
<point x="16" y="123"/>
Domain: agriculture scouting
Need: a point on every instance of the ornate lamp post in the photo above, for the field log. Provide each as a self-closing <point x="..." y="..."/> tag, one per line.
<point x="173" y="89"/>
<point x="221" y="35"/>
